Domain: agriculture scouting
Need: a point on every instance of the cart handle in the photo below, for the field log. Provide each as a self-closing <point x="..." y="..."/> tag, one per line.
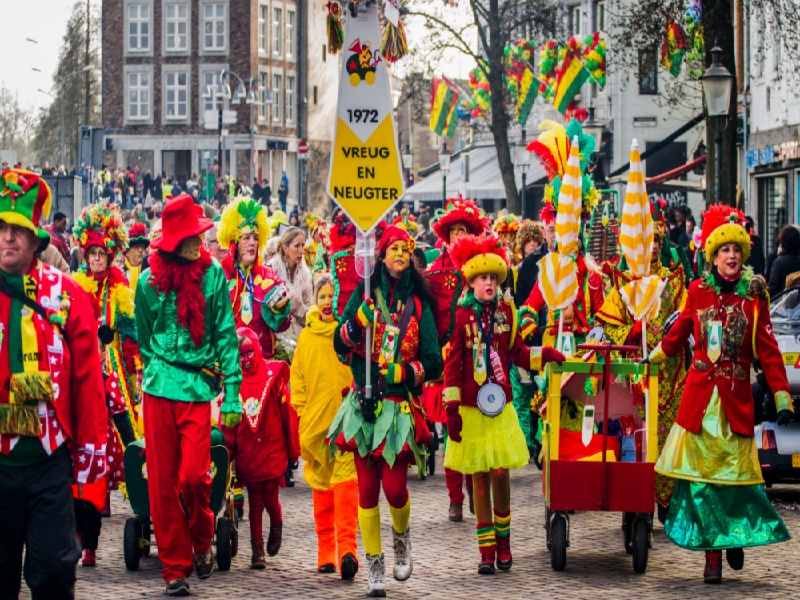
<point x="608" y="346"/>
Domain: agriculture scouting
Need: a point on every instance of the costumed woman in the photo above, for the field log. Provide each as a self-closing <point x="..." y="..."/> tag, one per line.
<point x="136" y="254"/>
<point x="101" y="235"/>
<point x="486" y="441"/>
<point x="719" y="501"/>
<point x="461" y="217"/>
<point x="386" y="432"/>
<point x="619" y="326"/>
<point x="259" y="298"/>
<point x="260" y="444"/>
<point x="318" y="381"/>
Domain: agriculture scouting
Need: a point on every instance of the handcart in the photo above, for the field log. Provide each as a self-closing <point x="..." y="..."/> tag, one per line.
<point x="137" y="537"/>
<point x="602" y="484"/>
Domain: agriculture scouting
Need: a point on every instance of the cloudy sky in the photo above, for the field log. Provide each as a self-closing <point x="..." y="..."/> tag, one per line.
<point x="43" y="21"/>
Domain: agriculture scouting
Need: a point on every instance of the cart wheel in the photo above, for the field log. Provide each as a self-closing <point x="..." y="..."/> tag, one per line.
<point x="627" y="531"/>
<point x="130" y="544"/>
<point x="558" y="543"/>
<point x="144" y="535"/>
<point x="641" y="545"/>
<point x="234" y="541"/>
<point x="224" y="530"/>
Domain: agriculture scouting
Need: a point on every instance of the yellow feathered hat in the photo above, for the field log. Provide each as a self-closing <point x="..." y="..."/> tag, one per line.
<point x="241" y="216"/>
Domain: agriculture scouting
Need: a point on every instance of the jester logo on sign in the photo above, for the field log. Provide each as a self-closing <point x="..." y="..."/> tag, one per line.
<point x="360" y="65"/>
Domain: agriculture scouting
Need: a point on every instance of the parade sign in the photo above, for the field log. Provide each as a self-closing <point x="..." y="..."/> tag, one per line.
<point x="366" y="176"/>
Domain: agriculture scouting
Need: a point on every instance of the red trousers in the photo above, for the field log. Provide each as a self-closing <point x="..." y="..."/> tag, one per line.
<point x="372" y="471"/>
<point x="178" y="446"/>
<point x="455" y="485"/>
<point x="261" y="496"/>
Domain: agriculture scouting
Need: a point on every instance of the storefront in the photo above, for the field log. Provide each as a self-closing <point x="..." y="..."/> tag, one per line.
<point x="774" y="171"/>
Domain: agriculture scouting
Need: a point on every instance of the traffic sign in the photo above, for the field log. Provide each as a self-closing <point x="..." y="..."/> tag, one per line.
<point x="302" y="147"/>
<point x="366" y="175"/>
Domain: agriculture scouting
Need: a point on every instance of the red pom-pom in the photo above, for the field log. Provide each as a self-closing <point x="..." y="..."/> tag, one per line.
<point x="470" y="246"/>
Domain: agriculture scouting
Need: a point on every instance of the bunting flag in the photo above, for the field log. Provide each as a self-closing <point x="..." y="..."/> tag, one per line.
<point x="570" y="79"/>
<point x="570" y="200"/>
<point x="444" y="100"/>
<point x="526" y="95"/>
<point x="558" y="280"/>
<point x="642" y="295"/>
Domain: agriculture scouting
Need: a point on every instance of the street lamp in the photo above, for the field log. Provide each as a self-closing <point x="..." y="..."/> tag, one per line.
<point x="444" y="166"/>
<point x="522" y="160"/>
<point x="245" y="91"/>
<point x="408" y="162"/>
<point x="717" y="89"/>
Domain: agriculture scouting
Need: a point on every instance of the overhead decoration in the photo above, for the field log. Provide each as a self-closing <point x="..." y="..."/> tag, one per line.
<point x="571" y="75"/>
<point x="520" y="79"/>
<point x="673" y="48"/>
<point x="444" y="104"/>
<point x="548" y="66"/>
<point x="481" y="96"/>
<point x="394" y="45"/>
<point x="334" y="26"/>
<point x="641" y="295"/>
<point x="594" y="57"/>
<point x="696" y="46"/>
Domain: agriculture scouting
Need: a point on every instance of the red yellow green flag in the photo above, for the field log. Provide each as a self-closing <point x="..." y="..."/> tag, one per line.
<point x="570" y="79"/>
<point x="444" y="99"/>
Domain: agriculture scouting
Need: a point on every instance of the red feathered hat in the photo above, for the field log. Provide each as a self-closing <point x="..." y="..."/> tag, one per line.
<point x="342" y="233"/>
<point x="137" y="235"/>
<point x="460" y="210"/>
<point x="476" y="255"/>
<point x="548" y="214"/>
<point x="723" y="224"/>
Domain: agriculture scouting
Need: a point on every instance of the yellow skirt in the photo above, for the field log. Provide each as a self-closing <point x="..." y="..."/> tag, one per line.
<point x="487" y="442"/>
<point x="715" y="455"/>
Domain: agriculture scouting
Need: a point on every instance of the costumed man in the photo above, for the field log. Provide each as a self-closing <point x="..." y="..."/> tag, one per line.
<point x="53" y="418"/>
<point x="719" y="501"/>
<point x="187" y="337"/>
<point x="259" y="299"/>
<point x="620" y="327"/>
<point x="260" y="443"/>
<point x="102" y="236"/>
<point x="136" y="253"/>
<point x="486" y="441"/>
<point x="548" y="218"/>
<point x="461" y="217"/>
<point x="318" y="381"/>
<point x="387" y="431"/>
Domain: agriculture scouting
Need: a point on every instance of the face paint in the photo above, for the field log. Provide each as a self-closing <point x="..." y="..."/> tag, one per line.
<point x="190" y="248"/>
<point x="398" y="258"/>
<point x="248" y="248"/>
<point x="325" y="303"/>
<point x="247" y="356"/>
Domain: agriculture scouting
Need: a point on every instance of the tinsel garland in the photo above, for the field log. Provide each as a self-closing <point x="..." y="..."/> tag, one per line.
<point x="394" y="45"/>
<point x="335" y="29"/>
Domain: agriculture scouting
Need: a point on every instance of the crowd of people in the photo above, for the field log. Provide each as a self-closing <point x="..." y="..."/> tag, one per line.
<point x="164" y="326"/>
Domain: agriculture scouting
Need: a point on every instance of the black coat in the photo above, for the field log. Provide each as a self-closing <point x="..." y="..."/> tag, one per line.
<point x="756" y="259"/>
<point x="527" y="274"/>
<point x="784" y="265"/>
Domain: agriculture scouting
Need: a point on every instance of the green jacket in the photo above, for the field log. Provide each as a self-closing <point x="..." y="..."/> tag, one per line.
<point x="428" y="354"/>
<point x="172" y="363"/>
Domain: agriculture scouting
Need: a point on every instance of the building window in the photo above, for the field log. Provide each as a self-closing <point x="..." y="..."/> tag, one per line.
<point x="208" y="81"/>
<point x="139" y="27"/>
<point x="139" y="96"/>
<point x="648" y="72"/>
<point x="773" y="209"/>
<point x="290" y="15"/>
<point x="263" y="89"/>
<point x="277" y="36"/>
<point x="176" y="22"/>
<point x="576" y="20"/>
<point x="290" y="83"/>
<point x="277" y="94"/>
<point x="176" y="95"/>
<point x="263" y="28"/>
<point x="601" y="15"/>
<point x="215" y="26"/>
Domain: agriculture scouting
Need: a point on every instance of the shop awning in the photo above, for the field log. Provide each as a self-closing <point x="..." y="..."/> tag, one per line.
<point x="475" y="173"/>
<point x="678" y="172"/>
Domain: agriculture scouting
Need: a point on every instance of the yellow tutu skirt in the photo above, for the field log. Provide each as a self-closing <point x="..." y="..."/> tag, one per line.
<point x="487" y="442"/>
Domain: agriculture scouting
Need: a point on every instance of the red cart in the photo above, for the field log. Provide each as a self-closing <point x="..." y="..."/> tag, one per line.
<point x="601" y="484"/>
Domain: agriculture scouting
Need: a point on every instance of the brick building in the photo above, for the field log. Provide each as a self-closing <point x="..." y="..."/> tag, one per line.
<point x="162" y="57"/>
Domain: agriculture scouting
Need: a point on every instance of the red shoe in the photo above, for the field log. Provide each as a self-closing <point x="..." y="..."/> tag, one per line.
<point x="486" y="566"/>
<point x="713" y="571"/>
<point x="89" y="559"/>
<point x="504" y="560"/>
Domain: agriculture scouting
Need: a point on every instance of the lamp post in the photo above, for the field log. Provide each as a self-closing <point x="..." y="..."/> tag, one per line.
<point x="522" y="161"/>
<point x="408" y="162"/>
<point x="717" y="88"/>
<point x="444" y="165"/>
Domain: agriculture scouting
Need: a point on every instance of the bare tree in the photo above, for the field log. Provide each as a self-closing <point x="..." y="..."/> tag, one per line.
<point x="483" y="36"/>
<point x="16" y="124"/>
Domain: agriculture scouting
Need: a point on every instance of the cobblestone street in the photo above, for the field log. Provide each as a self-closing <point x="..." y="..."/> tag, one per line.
<point x="445" y="557"/>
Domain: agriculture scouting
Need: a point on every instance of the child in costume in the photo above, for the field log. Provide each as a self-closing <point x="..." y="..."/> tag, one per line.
<point x="719" y="502"/>
<point x="485" y="437"/>
<point x="102" y="236"/>
<point x="318" y="379"/>
<point x="260" y="443"/>
<point x="387" y="432"/>
<point x="136" y="253"/>
<point x="462" y="217"/>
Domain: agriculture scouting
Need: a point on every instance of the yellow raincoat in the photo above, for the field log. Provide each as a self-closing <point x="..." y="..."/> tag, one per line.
<point x="317" y="381"/>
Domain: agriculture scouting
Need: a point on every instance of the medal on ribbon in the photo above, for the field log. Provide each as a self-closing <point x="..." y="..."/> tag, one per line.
<point x="390" y="336"/>
<point x="479" y="362"/>
<point x="714" y="348"/>
<point x="247" y="308"/>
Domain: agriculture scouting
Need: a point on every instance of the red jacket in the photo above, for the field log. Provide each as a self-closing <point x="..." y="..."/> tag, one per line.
<point x="261" y="444"/>
<point x="588" y="301"/>
<point x="445" y="282"/>
<point x="458" y="365"/>
<point x="731" y="372"/>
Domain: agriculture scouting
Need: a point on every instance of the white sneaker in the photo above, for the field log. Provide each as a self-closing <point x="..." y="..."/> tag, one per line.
<point x="403" y="565"/>
<point x="376" y="576"/>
